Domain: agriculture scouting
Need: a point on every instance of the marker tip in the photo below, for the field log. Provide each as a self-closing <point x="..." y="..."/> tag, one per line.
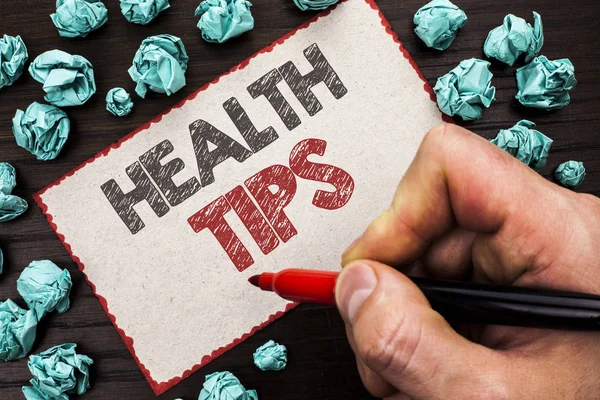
<point x="254" y="280"/>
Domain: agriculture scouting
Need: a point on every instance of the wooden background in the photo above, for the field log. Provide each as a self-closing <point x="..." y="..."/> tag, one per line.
<point x="321" y="363"/>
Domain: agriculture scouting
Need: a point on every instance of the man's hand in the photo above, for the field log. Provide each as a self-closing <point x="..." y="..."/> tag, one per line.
<point x="465" y="209"/>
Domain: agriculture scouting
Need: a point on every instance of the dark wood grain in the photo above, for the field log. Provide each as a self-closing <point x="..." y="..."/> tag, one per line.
<point x="321" y="363"/>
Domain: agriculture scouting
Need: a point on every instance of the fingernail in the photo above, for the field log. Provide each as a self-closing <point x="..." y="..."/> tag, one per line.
<point x="354" y="286"/>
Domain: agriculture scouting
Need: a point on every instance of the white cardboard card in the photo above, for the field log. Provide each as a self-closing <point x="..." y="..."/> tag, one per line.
<point x="280" y="163"/>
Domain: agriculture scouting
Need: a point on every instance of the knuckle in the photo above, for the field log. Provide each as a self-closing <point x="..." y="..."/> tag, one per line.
<point x="435" y="135"/>
<point x="392" y="345"/>
<point x="446" y="141"/>
<point x="503" y="162"/>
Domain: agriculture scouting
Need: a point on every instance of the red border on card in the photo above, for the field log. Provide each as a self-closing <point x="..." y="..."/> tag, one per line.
<point x="161" y="387"/>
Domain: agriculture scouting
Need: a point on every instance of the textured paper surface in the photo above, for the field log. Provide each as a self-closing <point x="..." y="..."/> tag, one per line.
<point x="177" y="298"/>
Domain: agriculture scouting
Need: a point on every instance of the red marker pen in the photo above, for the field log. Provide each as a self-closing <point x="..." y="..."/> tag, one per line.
<point x="300" y="285"/>
<point x="457" y="301"/>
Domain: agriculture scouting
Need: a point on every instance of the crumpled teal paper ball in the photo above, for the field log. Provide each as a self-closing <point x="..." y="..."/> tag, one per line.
<point x="77" y="18"/>
<point x="159" y="65"/>
<point x="42" y="130"/>
<point x="118" y="102"/>
<point x="466" y="89"/>
<point x="513" y="38"/>
<point x="271" y="356"/>
<point x="17" y="331"/>
<point x="68" y="79"/>
<point x="305" y="5"/>
<point x="546" y="84"/>
<point x="225" y="386"/>
<point x="45" y="287"/>
<point x="142" y="11"/>
<point x="13" y="56"/>
<point x="438" y="22"/>
<point x="221" y="20"/>
<point x="10" y="206"/>
<point x="528" y="145"/>
<point x="8" y="178"/>
<point x="570" y="173"/>
<point x="57" y="373"/>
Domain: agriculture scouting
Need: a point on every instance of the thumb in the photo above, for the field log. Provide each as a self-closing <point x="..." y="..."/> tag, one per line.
<point x="397" y="336"/>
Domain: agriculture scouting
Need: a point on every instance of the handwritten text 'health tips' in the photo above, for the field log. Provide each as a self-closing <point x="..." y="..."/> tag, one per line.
<point x="259" y="207"/>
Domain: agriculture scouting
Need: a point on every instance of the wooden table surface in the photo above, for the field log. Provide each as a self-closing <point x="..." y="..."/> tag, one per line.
<point x="321" y="363"/>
